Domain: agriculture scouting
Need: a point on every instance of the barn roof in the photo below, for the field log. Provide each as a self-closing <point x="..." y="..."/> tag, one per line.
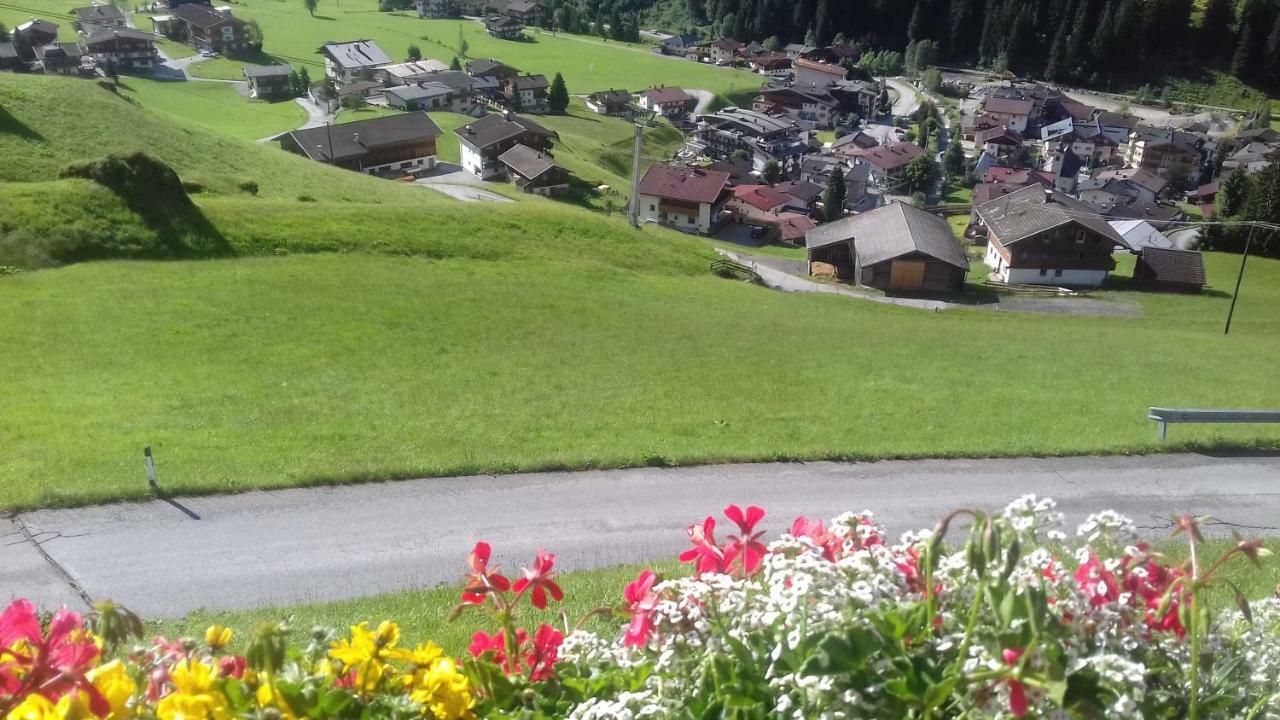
<point x="1164" y="265"/>
<point x="892" y="231"/>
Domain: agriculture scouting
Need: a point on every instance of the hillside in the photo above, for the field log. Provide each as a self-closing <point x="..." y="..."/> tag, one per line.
<point x="300" y="206"/>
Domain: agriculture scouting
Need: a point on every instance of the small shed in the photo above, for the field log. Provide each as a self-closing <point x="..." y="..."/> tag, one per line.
<point x="895" y="247"/>
<point x="533" y="171"/>
<point x="1169" y="270"/>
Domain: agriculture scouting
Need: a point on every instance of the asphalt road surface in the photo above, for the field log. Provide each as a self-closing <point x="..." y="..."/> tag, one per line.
<point x="165" y="558"/>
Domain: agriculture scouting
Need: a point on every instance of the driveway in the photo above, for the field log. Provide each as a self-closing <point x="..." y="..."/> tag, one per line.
<point x="457" y="183"/>
<point x="167" y="558"/>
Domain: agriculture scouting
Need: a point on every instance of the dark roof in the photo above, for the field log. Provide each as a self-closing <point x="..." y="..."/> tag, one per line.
<point x="490" y="67"/>
<point x="493" y="129"/>
<point x="527" y="162"/>
<point x="522" y="6"/>
<point x="203" y="16"/>
<point x="455" y="79"/>
<point x="7" y="50"/>
<point x="892" y="231"/>
<point x="530" y="82"/>
<point x="499" y="22"/>
<point x="260" y="71"/>
<point x="683" y="183"/>
<point x="664" y="95"/>
<point x="619" y="97"/>
<point x="354" y="139"/>
<point x="70" y="51"/>
<point x="728" y="43"/>
<point x="1003" y="135"/>
<point x="802" y="190"/>
<point x="1142" y="178"/>
<point x="1034" y="209"/>
<point x="417" y="91"/>
<point x="359" y="87"/>
<point x="857" y="138"/>
<point x="356" y="54"/>
<point x="1008" y="106"/>
<point x="39" y="26"/>
<point x="1112" y="119"/>
<point x="1184" y="267"/>
<point x="98" y="13"/>
<point x="113" y="33"/>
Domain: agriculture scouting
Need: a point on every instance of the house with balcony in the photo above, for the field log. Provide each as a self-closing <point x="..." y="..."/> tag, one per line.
<point x="811" y="110"/>
<point x="811" y="75"/>
<point x="482" y="143"/>
<point x="609" y="102"/>
<point x="205" y="28"/>
<point x="528" y="93"/>
<point x="503" y="27"/>
<point x="124" y="49"/>
<point x="1168" y="152"/>
<point x="269" y="82"/>
<point x="391" y="146"/>
<point x="534" y="171"/>
<point x="347" y="62"/>
<point x="62" y="59"/>
<point x="721" y="134"/>
<point x="93" y="18"/>
<point x="672" y="103"/>
<point x="688" y="199"/>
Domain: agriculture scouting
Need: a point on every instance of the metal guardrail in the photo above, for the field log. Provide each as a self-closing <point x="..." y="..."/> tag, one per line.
<point x="1165" y="416"/>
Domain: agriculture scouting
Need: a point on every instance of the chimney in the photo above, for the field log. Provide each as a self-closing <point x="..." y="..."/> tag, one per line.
<point x="1048" y="196"/>
<point x="355" y="136"/>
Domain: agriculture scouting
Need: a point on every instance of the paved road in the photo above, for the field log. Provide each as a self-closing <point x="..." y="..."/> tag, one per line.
<point x="256" y="549"/>
<point x="907" y="101"/>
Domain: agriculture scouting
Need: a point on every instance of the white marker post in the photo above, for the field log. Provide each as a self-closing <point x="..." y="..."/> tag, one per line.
<point x="151" y="467"/>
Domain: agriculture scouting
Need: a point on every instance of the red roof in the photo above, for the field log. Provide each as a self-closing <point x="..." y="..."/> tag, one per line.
<point x="664" y="95"/>
<point x="683" y="183"/>
<point x="793" y="226"/>
<point x="1008" y="106"/>
<point x="890" y="157"/>
<point x="827" y="68"/>
<point x="760" y="196"/>
<point x="1003" y="135"/>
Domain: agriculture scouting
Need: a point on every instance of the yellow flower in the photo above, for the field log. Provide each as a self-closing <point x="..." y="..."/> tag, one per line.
<point x="194" y="697"/>
<point x="367" y="653"/>
<point x="270" y="696"/>
<point x="113" y="681"/>
<point x="443" y="691"/>
<point x="424" y="655"/>
<point x="72" y="706"/>
<point x="217" y="637"/>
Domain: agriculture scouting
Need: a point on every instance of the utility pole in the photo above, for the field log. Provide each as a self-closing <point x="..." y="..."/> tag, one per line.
<point x="635" y="173"/>
<point x="1239" y="277"/>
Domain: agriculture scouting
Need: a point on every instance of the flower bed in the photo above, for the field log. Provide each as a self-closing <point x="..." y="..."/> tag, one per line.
<point x="1003" y="618"/>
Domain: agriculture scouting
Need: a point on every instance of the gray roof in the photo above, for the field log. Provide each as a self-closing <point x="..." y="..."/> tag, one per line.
<point x="892" y="231"/>
<point x="356" y="54"/>
<point x="530" y="82"/>
<point x="492" y="129"/>
<point x="1034" y="209"/>
<point x="748" y="121"/>
<point x="98" y="13"/>
<point x="419" y="91"/>
<point x="354" y="139"/>
<point x="204" y="16"/>
<point x="112" y="33"/>
<point x="527" y="162"/>
<point x="7" y="50"/>
<point x="455" y="79"/>
<point x="261" y="71"/>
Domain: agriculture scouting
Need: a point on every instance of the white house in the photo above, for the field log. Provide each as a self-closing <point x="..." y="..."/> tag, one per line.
<point x="688" y="199"/>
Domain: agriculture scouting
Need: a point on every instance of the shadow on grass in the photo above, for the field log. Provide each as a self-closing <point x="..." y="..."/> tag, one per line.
<point x="10" y="125"/>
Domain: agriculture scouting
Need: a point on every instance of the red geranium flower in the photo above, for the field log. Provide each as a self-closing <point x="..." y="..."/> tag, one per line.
<point x="641" y="602"/>
<point x="544" y="652"/>
<point x="746" y="543"/>
<point x="483" y="579"/>
<point x="708" y="557"/>
<point x="818" y="534"/>
<point x="53" y="663"/>
<point x="541" y="579"/>
<point x="1017" y="692"/>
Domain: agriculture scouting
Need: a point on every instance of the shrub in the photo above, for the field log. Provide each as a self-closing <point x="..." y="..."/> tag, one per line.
<point x="305" y="198"/>
<point x="249" y="186"/>
<point x="833" y="616"/>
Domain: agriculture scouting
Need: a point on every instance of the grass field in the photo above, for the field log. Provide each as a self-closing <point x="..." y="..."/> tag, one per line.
<point x="266" y="372"/>
<point x="423" y="614"/>
<point x="215" y="106"/>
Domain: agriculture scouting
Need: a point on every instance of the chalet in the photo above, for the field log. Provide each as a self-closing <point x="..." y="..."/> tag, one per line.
<point x="672" y="103"/>
<point x="810" y="110"/>
<point x="787" y="227"/>
<point x="93" y="18"/>
<point x="528" y="12"/>
<point x="503" y="27"/>
<point x="812" y="75"/>
<point x="971" y="125"/>
<point x="1065" y="166"/>
<point x="1086" y="139"/>
<point x="491" y="69"/>
<point x="834" y="54"/>
<point x="1127" y="183"/>
<point x="485" y="140"/>
<point x="533" y="171"/>
<point x="1117" y="126"/>
<point x="60" y="58"/>
<point x="817" y="170"/>
<point x="688" y="199"/>
<point x="897" y="247"/>
<point x="269" y="82"/>
<point x="738" y="169"/>
<point x="1038" y="236"/>
<point x="123" y="48"/>
<point x="9" y="59"/>
<point x="436" y="9"/>
<point x="999" y="142"/>
<point x="609" y="102"/>
<point x="771" y="63"/>
<point x="796" y="50"/>
<point x="392" y="145"/>
<point x="748" y="199"/>
<point x="677" y="44"/>
<point x="763" y="137"/>
<point x="1168" y="152"/>
<point x="1169" y="270"/>
<point x="802" y="196"/>
<point x="1252" y="157"/>
<point x="420" y="96"/>
<point x="528" y="93"/>
<point x="1015" y="114"/>
<point x="208" y="29"/>
<point x="725" y="51"/>
<point x="856" y="96"/>
<point x="347" y="62"/>
<point x="888" y="163"/>
<point x="847" y="144"/>
<point x="409" y="73"/>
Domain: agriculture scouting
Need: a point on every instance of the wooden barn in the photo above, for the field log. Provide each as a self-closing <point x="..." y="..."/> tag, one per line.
<point x="897" y="247"/>
<point x="1169" y="270"/>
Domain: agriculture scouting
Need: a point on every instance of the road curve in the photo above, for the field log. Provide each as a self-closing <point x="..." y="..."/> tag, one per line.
<point x="164" y="559"/>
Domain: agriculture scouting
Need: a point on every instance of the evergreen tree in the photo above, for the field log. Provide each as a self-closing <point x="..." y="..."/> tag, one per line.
<point x="915" y="28"/>
<point x="1272" y="56"/>
<point x="304" y="82"/>
<point x="1242" y="60"/>
<point x="1215" y="27"/>
<point x="1232" y="193"/>
<point x="834" y="196"/>
<point x="1100" y="47"/>
<point x="821" y="18"/>
<point x="1056" y="67"/>
<point x="463" y="46"/>
<point x="456" y="64"/>
<point x="772" y="43"/>
<point x="558" y="95"/>
<point x="953" y="160"/>
<point x="697" y="11"/>
<point x="771" y="173"/>
<point x="802" y="15"/>
<point x="414" y="53"/>
<point x="811" y="37"/>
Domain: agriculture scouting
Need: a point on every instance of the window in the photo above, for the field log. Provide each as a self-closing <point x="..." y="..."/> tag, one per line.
<point x="1080" y="237"/>
<point x="652" y="208"/>
<point x="1057" y="273"/>
<point x="1044" y="272"/>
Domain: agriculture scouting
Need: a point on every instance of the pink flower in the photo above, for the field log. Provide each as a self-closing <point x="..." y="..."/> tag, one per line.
<point x="1017" y="692"/>
<point x="53" y="663"/>
<point x="482" y="580"/>
<point x="818" y="534"/>
<point x="544" y="652"/>
<point x="641" y="602"/>
<point x="231" y="666"/>
<point x="746" y="543"/>
<point x="541" y="579"/>
<point x="707" y="556"/>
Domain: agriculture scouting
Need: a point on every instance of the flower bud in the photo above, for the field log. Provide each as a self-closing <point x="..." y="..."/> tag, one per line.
<point x="217" y="637"/>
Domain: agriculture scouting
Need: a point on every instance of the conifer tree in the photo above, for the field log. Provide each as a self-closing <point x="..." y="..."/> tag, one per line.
<point x="1215" y="27"/>
<point x="558" y="95"/>
<point x="1242" y="61"/>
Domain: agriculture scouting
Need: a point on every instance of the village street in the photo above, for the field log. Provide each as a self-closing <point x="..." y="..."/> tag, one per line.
<point x="164" y="558"/>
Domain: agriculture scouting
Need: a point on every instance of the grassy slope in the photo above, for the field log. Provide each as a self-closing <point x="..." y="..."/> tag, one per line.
<point x="270" y="372"/>
<point x="214" y="106"/>
<point x="423" y="614"/>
